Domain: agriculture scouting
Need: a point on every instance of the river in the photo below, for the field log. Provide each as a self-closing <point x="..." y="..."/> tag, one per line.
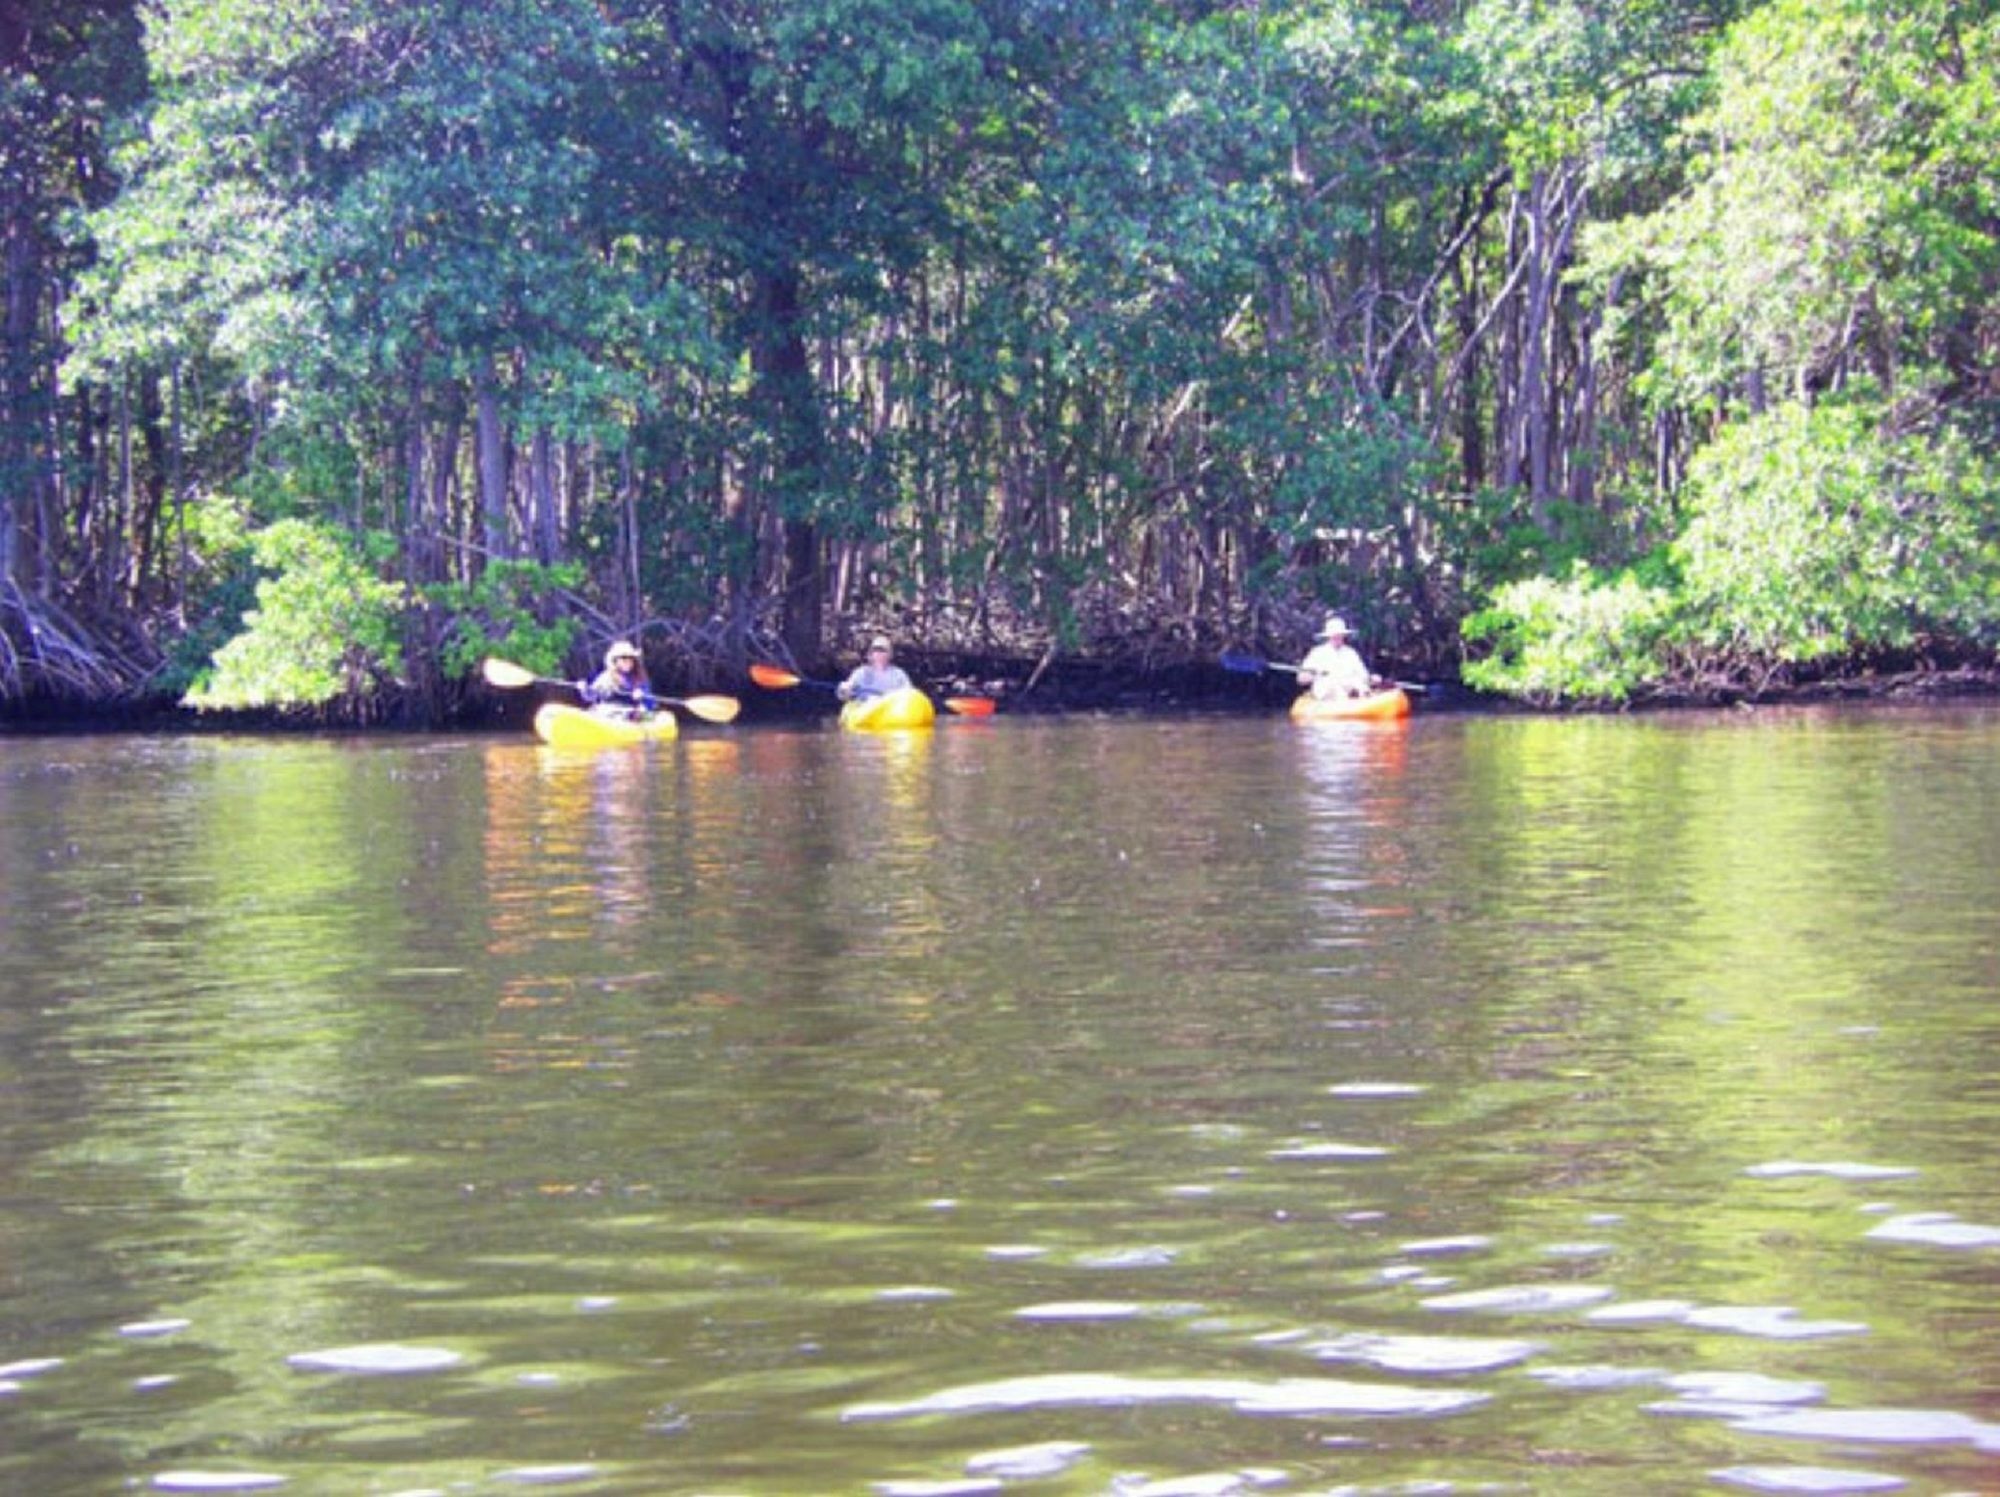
<point x="1163" y="1107"/>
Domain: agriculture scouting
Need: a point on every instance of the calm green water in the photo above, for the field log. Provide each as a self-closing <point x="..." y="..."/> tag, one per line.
<point x="1595" y="1106"/>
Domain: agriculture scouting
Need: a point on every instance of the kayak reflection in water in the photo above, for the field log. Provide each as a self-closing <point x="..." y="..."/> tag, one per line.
<point x="875" y="676"/>
<point x="1332" y="668"/>
<point x="622" y="682"/>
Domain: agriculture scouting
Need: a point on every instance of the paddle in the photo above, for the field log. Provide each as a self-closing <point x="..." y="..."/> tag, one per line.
<point x="1255" y="665"/>
<point x="506" y="674"/>
<point x="779" y="679"/>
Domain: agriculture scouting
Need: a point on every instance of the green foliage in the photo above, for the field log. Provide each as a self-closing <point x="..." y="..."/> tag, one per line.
<point x="1587" y="638"/>
<point x="325" y="626"/>
<point x="1840" y="214"/>
<point x="221" y="587"/>
<point x="509" y="611"/>
<point x="1501" y="542"/>
<point x="1812" y="533"/>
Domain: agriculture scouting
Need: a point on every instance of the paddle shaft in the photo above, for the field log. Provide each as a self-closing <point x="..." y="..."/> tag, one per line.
<point x="1250" y="664"/>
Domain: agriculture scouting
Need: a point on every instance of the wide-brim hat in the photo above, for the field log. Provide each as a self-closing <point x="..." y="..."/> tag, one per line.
<point x="880" y="642"/>
<point x="1335" y="625"/>
<point x="624" y="649"/>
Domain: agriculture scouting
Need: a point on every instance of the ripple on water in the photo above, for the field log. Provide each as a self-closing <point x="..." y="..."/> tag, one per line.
<point x="1638" y="1311"/>
<point x="1328" y="1151"/>
<point x="1210" y="1484"/>
<point x="1518" y="1299"/>
<point x="1113" y="1390"/>
<point x="217" y="1481"/>
<point x="974" y="1487"/>
<point x="1877" y="1426"/>
<point x="1375" y="1089"/>
<point x="1435" y="1247"/>
<point x="1139" y="1257"/>
<point x="145" y="1329"/>
<point x="1425" y="1353"/>
<point x="1595" y="1377"/>
<point x="548" y="1476"/>
<point x="1080" y="1309"/>
<point x="1028" y="1462"/>
<point x="1936" y="1229"/>
<point x="1783" y="1169"/>
<point x="1772" y="1322"/>
<point x="1746" y="1387"/>
<point x="376" y="1359"/>
<point x="1824" y="1479"/>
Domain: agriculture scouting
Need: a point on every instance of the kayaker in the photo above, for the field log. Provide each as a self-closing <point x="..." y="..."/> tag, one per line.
<point x="1333" y="668"/>
<point x="875" y="676"/>
<point x="622" y="682"/>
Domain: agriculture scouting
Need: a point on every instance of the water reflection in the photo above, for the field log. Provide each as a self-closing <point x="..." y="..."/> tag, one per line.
<point x="1218" y="1105"/>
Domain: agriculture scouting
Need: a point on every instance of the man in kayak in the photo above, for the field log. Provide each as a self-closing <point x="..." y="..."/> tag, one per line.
<point x="875" y="676"/>
<point x="1332" y="668"/>
<point x="622" y="682"/>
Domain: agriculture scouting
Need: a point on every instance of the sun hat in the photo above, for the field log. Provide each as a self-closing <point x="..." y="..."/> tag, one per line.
<point x="1335" y="625"/>
<point x="880" y="642"/>
<point x="623" y="649"/>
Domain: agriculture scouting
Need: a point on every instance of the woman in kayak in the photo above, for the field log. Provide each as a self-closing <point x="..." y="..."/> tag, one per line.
<point x="622" y="682"/>
<point x="875" y="676"/>
<point x="1332" y="668"/>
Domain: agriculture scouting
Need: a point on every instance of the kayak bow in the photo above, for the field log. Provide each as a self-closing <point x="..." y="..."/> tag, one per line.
<point x="563" y="726"/>
<point x="908" y="708"/>
<point x="1377" y="706"/>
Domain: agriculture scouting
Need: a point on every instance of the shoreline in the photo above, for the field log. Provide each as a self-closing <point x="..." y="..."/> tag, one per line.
<point x="1095" y="687"/>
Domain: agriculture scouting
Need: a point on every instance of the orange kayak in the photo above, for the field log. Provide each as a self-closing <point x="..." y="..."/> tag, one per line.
<point x="1377" y="706"/>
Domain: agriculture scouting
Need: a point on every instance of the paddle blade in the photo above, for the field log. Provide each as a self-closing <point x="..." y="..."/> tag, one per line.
<point x="1242" y="664"/>
<point x="505" y="673"/>
<point x="713" y="709"/>
<point x="971" y="706"/>
<point x="772" y="676"/>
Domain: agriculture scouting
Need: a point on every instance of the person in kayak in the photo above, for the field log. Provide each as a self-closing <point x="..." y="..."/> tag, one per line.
<point x="875" y="676"/>
<point x="622" y="682"/>
<point x="1333" y="668"/>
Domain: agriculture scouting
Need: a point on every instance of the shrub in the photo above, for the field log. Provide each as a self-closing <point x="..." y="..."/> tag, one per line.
<point x="326" y="626"/>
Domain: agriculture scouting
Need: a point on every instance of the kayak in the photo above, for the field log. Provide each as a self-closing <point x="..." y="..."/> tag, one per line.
<point x="1377" y="706"/>
<point x="908" y="708"/>
<point x="564" y="726"/>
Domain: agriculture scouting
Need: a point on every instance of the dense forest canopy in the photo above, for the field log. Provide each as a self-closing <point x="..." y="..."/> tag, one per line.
<point x="1609" y="348"/>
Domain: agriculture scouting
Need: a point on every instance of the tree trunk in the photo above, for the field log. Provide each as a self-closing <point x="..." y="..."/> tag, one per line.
<point x="492" y="464"/>
<point x="17" y="364"/>
<point x="785" y="381"/>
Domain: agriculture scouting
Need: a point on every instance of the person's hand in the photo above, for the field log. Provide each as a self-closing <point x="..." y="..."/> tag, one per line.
<point x="844" y="692"/>
<point x="650" y="702"/>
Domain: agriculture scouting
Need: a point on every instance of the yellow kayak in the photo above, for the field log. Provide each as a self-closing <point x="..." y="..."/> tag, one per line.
<point x="564" y="726"/>
<point x="1377" y="706"/>
<point x="908" y="708"/>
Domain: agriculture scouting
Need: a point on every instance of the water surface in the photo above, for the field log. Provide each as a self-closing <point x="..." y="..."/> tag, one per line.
<point x="1589" y="1106"/>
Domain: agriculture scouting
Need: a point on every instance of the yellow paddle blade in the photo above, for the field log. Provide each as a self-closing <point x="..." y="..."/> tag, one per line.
<point x="770" y="675"/>
<point x="713" y="709"/>
<point x="506" y="673"/>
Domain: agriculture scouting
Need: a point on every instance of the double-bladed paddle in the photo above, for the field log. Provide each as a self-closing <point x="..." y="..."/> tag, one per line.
<point x="508" y="676"/>
<point x="1255" y="665"/>
<point x="779" y="679"/>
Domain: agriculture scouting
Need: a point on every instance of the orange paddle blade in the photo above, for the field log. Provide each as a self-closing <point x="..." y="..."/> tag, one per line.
<point x="971" y="706"/>
<point x="770" y="675"/>
<point x="713" y="709"/>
